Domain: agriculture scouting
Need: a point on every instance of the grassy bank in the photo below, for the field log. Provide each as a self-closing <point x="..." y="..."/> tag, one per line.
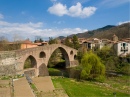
<point x="90" y="89"/>
<point x="54" y="72"/>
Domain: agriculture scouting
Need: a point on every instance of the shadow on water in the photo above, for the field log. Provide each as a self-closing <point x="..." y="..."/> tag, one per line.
<point x="60" y="70"/>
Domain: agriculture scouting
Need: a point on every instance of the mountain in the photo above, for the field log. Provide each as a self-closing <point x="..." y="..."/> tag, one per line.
<point x="61" y="37"/>
<point x="122" y="31"/>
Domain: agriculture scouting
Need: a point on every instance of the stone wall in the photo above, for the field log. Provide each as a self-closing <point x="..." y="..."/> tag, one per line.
<point x="7" y="58"/>
<point x="7" y="70"/>
<point x="30" y="72"/>
<point x="7" y="63"/>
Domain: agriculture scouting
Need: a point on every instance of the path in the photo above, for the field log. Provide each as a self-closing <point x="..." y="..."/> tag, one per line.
<point x="22" y="88"/>
<point x="4" y="88"/>
<point x="43" y="84"/>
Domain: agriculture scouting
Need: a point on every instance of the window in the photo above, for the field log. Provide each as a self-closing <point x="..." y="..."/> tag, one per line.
<point x="124" y="44"/>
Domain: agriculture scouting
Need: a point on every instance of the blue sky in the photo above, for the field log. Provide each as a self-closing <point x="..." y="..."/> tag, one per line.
<point x="21" y="19"/>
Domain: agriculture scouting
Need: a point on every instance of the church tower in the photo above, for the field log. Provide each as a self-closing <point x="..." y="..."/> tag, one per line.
<point x="114" y="38"/>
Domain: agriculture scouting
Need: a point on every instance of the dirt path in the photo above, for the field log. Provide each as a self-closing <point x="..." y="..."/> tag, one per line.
<point x="22" y="88"/>
<point x="4" y="88"/>
<point x="43" y="84"/>
<point x="46" y="87"/>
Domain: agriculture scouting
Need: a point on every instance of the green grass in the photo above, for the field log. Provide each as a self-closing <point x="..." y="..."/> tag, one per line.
<point x="54" y="72"/>
<point x="8" y="77"/>
<point x="85" y="88"/>
<point x="33" y="87"/>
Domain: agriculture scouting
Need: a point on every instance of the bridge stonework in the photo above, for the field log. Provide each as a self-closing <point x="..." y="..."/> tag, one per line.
<point x="39" y="55"/>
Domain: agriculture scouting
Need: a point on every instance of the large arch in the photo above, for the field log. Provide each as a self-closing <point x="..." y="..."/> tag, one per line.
<point x="65" y="55"/>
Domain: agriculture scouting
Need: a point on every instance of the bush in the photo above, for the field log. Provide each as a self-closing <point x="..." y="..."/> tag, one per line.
<point x="92" y="67"/>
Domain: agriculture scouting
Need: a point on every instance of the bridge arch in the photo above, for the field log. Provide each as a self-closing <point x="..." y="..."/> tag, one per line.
<point x="42" y="54"/>
<point x="30" y="62"/>
<point x="65" y="55"/>
<point x="71" y="52"/>
<point x="75" y="56"/>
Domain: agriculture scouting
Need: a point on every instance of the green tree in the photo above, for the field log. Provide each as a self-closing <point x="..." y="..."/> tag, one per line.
<point x="104" y="53"/>
<point x="81" y="52"/>
<point x="67" y="42"/>
<point x="109" y="59"/>
<point x="52" y="41"/>
<point x="92" y="67"/>
<point x="75" y="42"/>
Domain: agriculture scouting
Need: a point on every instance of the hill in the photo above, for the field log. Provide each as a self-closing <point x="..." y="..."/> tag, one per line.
<point x="122" y="31"/>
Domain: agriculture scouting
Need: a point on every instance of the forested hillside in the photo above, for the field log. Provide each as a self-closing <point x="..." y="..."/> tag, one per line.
<point x="122" y="31"/>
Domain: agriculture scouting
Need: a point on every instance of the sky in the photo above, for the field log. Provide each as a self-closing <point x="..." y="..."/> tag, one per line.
<point x="22" y="19"/>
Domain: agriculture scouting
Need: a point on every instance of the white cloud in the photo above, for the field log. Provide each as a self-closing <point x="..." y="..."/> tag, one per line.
<point x="1" y="16"/>
<point x="74" y="11"/>
<point x="120" y="23"/>
<point x="30" y="30"/>
<point x="58" y="9"/>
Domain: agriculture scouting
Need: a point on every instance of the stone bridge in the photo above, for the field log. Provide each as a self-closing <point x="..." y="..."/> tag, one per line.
<point x="13" y="61"/>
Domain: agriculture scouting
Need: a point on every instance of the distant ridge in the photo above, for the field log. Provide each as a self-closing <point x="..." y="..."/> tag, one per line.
<point x="61" y="37"/>
<point x="122" y="31"/>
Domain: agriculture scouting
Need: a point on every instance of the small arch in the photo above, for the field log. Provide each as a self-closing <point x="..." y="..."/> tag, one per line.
<point x="42" y="55"/>
<point x="75" y="57"/>
<point x="71" y="52"/>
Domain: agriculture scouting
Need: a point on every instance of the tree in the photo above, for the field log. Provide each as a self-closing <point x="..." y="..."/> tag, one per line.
<point x="52" y="41"/>
<point x="92" y="67"/>
<point x="109" y="58"/>
<point x="68" y="43"/>
<point x="75" y="42"/>
<point x="3" y="43"/>
<point x="38" y="39"/>
<point x="81" y="52"/>
<point x="104" y="53"/>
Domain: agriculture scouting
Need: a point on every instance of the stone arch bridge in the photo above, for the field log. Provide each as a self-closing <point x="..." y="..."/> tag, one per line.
<point x="39" y="56"/>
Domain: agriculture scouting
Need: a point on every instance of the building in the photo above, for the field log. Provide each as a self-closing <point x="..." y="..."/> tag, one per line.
<point x="89" y="45"/>
<point x="114" y="38"/>
<point x="122" y="48"/>
<point x="81" y="40"/>
<point x="27" y="44"/>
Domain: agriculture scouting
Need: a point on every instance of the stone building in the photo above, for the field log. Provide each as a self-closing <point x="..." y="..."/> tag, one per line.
<point x="114" y="38"/>
<point x="122" y="48"/>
